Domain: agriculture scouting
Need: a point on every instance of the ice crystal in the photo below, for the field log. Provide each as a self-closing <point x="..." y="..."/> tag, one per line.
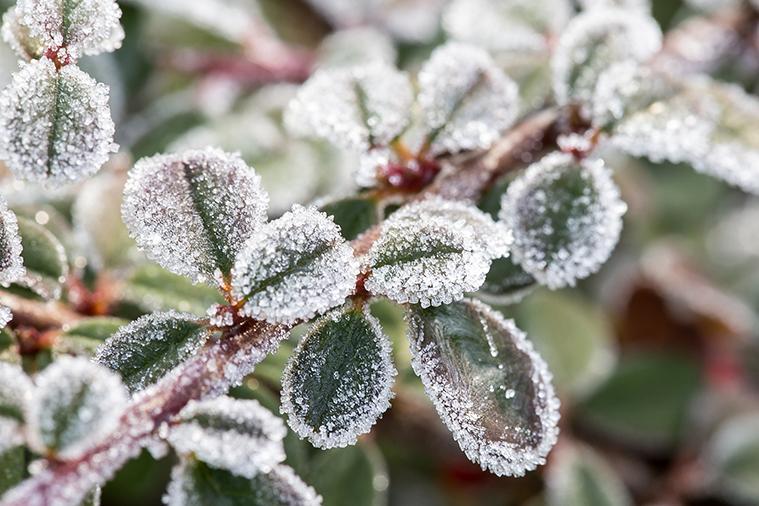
<point x="592" y="42"/>
<point x="15" y="388"/>
<point x="146" y="349"/>
<point x="82" y="27"/>
<point x="432" y="252"/>
<point x="192" y="212"/>
<point x="566" y="217"/>
<point x="74" y="405"/>
<point x="708" y="125"/>
<point x="506" y="25"/>
<point x="294" y="268"/>
<point x="55" y="125"/>
<point x="331" y="398"/>
<point x="11" y="264"/>
<point x="195" y="484"/>
<point x="465" y="98"/>
<point x="17" y="36"/>
<point x="240" y="436"/>
<point x="489" y="386"/>
<point x="356" y="108"/>
<point x="356" y="46"/>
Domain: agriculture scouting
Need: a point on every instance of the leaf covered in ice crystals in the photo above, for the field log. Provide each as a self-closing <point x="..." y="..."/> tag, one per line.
<point x="466" y="100"/>
<point x="337" y="382"/>
<point x="240" y="436"/>
<point x="566" y="217"/>
<point x="143" y="351"/>
<point x="194" y="483"/>
<point x="11" y="264"/>
<point x="82" y="26"/>
<point x="17" y="36"/>
<point x="192" y="212"/>
<point x="15" y="388"/>
<point x="433" y="251"/>
<point x="355" y="107"/>
<point x="55" y="125"/>
<point x="294" y="268"/>
<point x="489" y="386"/>
<point x="592" y="42"/>
<point x="75" y="404"/>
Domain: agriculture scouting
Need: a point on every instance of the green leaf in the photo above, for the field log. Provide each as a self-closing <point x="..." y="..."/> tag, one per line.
<point x="354" y="215"/>
<point x="489" y="386"/>
<point x="84" y="336"/>
<point x="506" y="283"/>
<point x="12" y="467"/>
<point x="732" y="459"/>
<point x="155" y="289"/>
<point x="338" y="381"/>
<point x="197" y="484"/>
<point x="580" y="477"/>
<point x="352" y="476"/>
<point x="150" y="347"/>
<point x="44" y="260"/>
<point x="644" y="402"/>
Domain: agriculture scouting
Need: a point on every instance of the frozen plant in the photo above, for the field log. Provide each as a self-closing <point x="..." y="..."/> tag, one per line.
<point x="468" y="187"/>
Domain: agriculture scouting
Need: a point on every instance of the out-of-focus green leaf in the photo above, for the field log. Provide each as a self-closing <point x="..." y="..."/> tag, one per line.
<point x="12" y="467"/>
<point x="351" y="476"/>
<point x="44" y="259"/>
<point x="732" y="459"/>
<point x="84" y="336"/>
<point x="353" y="214"/>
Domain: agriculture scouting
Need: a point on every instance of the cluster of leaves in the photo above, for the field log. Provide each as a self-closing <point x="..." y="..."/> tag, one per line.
<point x="203" y="215"/>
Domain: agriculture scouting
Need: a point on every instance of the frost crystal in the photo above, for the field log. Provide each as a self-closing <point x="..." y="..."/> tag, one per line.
<point x="11" y="263"/>
<point x="331" y="398"/>
<point x="192" y="212"/>
<point x="592" y="42"/>
<point x="15" y="388"/>
<point x="433" y="251"/>
<point x="55" y="125"/>
<point x="566" y="218"/>
<point x="195" y="484"/>
<point x="294" y="268"/>
<point x="146" y="349"/>
<point x="465" y="98"/>
<point x="489" y="386"/>
<point x="74" y="405"/>
<point x="17" y="36"/>
<point x="506" y="25"/>
<point x="240" y="436"/>
<point x="82" y="27"/>
<point x="356" y="107"/>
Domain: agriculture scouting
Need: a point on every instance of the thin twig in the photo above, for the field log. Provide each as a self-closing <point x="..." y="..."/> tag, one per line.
<point x="40" y="314"/>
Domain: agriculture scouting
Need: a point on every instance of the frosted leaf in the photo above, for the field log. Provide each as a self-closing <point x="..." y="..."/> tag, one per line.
<point x="148" y="348"/>
<point x="6" y="315"/>
<point x="17" y="36"/>
<point x="578" y="476"/>
<point x="294" y="268"/>
<point x="45" y="264"/>
<point x="240" y="436"/>
<point x="506" y="25"/>
<point x="15" y="388"/>
<point x="193" y="483"/>
<point x="709" y="125"/>
<point x="11" y="264"/>
<point x="623" y="89"/>
<point x="192" y="212"/>
<point x="489" y="386"/>
<point x="566" y="217"/>
<point x="466" y="100"/>
<point x="75" y="404"/>
<point x="356" y="108"/>
<point x="356" y="46"/>
<point x="82" y="27"/>
<point x="642" y="6"/>
<point x="730" y="458"/>
<point x="592" y="42"/>
<point x="55" y="125"/>
<point x="330" y="396"/>
<point x="432" y="252"/>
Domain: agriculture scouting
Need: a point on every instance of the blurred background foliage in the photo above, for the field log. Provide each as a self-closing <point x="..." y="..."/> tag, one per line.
<point x="656" y="359"/>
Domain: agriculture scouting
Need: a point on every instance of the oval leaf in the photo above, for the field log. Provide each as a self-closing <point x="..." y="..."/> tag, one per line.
<point x="465" y="98"/>
<point x="433" y="251"/>
<point x="84" y="336"/>
<point x="11" y="263"/>
<point x="55" y="125"/>
<point x="338" y="381"/>
<point x="192" y="212"/>
<point x="294" y="268"/>
<point x="566" y="217"/>
<point x="489" y="386"/>
<point x="150" y="347"/>
<point x="75" y="404"/>
<point x="45" y="263"/>
<point x="240" y="436"/>
<point x="194" y="483"/>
